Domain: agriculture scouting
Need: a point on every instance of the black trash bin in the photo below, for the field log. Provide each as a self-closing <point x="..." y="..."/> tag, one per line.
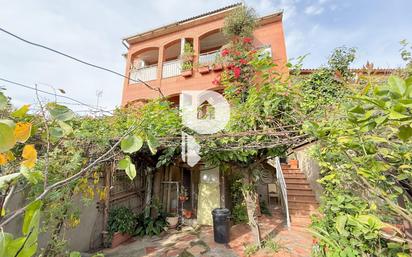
<point x="221" y="226"/>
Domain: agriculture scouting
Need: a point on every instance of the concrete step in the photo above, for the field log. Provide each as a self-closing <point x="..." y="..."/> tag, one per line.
<point x="303" y="206"/>
<point x="296" y="181"/>
<point x="294" y="175"/>
<point x="290" y="170"/>
<point x="300" y="191"/>
<point x="298" y="186"/>
<point x="302" y="198"/>
<point x="301" y="213"/>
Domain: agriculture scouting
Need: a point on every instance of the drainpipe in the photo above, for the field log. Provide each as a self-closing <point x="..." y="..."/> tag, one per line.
<point x="124" y="42"/>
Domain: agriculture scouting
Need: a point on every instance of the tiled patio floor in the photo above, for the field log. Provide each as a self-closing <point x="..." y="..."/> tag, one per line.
<point x="189" y="242"/>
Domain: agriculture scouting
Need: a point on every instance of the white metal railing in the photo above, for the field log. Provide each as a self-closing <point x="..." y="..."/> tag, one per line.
<point x="283" y="189"/>
<point x="172" y="68"/>
<point x="144" y="74"/>
<point x="209" y="58"/>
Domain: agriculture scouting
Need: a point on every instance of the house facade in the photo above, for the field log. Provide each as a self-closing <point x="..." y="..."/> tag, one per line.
<point x="156" y="60"/>
<point x="155" y="56"/>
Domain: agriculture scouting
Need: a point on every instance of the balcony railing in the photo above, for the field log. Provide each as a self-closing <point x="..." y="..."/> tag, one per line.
<point x="172" y="68"/>
<point x="145" y="74"/>
<point x="209" y="58"/>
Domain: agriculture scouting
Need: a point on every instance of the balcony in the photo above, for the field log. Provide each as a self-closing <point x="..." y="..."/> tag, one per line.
<point x="209" y="57"/>
<point x="144" y="74"/>
<point x="172" y="68"/>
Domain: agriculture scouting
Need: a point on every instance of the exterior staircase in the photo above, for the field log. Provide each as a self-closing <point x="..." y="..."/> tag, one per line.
<point x="301" y="198"/>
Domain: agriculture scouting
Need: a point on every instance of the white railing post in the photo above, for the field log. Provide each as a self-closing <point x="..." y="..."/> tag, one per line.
<point x="283" y="189"/>
<point x="208" y="58"/>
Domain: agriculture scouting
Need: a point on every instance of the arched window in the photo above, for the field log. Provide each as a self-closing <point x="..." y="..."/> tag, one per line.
<point x="210" y="45"/>
<point x="144" y="65"/>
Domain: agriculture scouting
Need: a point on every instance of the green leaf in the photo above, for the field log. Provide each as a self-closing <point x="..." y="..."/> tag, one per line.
<point x="20" y="113"/>
<point x="405" y="132"/>
<point x="127" y="165"/>
<point x="33" y="176"/>
<point x="31" y="216"/>
<point x="67" y="129"/>
<point x="152" y="143"/>
<point x="340" y="224"/>
<point x="396" y="85"/>
<point x="7" y="138"/>
<point x="4" y="101"/>
<point x="394" y="115"/>
<point x="131" y="144"/>
<point x="56" y="133"/>
<point x="60" y="112"/>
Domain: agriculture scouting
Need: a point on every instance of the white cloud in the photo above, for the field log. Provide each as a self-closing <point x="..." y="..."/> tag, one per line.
<point x="314" y="10"/>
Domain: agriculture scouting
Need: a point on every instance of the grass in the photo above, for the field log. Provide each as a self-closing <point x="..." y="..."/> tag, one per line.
<point x="250" y="249"/>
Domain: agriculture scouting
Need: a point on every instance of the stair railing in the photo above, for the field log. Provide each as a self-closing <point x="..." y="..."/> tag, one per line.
<point x="283" y="189"/>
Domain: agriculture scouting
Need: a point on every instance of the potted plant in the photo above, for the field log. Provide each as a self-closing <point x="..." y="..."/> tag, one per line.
<point x="183" y="195"/>
<point x="188" y="53"/>
<point x="172" y="219"/>
<point x="217" y="66"/>
<point x="121" y="225"/>
<point x="204" y="68"/>
<point x="187" y="69"/>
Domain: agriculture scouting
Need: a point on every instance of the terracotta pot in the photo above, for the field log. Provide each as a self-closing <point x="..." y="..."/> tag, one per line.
<point x="293" y="164"/>
<point x="187" y="214"/>
<point x="217" y="67"/>
<point x="187" y="73"/>
<point x="172" y="221"/>
<point x="119" y="238"/>
<point x="204" y="69"/>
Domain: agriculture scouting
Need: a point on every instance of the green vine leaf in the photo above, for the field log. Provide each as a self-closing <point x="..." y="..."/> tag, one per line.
<point x="152" y="143"/>
<point x="7" y="138"/>
<point x="131" y="144"/>
<point x="60" y="112"/>
<point x="405" y="132"/>
<point x="21" y="112"/>
<point x="127" y="165"/>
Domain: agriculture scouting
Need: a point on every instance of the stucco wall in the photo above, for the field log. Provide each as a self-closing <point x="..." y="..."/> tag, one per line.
<point x="85" y="236"/>
<point x="309" y="167"/>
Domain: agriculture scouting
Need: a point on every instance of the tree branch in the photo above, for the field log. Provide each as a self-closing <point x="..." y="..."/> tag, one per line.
<point x="67" y="180"/>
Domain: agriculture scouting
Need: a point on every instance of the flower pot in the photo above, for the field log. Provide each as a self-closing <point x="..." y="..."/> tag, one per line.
<point x="187" y="214"/>
<point x="203" y="69"/>
<point x="293" y="164"/>
<point x="187" y="73"/>
<point x="119" y="238"/>
<point x="217" y="67"/>
<point x="172" y="221"/>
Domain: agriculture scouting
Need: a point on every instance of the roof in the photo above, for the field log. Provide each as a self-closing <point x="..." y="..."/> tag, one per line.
<point x="169" y="28"/>
<point x="381" y="71"/>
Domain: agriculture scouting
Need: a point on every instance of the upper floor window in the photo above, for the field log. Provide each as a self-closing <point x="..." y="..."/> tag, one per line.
<point x="144" y="66"/>
<point x="210" y="46"/>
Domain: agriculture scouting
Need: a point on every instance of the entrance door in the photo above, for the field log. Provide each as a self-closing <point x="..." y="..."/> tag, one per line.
<point x="209" y="195"/>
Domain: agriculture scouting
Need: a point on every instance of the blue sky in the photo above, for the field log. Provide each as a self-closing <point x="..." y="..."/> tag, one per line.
<point x="92" y="30"/>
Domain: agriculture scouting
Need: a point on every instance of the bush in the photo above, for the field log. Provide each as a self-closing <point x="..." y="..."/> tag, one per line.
<point x="241" y="22"/>
<point x="151" y="226"/>
<point x="122" y="220"/>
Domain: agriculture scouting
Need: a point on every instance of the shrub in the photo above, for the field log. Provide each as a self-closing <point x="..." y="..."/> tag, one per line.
<point x="122" y="220"/>
<point x="151" y="226"/>
<point x="241" y="22"/>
